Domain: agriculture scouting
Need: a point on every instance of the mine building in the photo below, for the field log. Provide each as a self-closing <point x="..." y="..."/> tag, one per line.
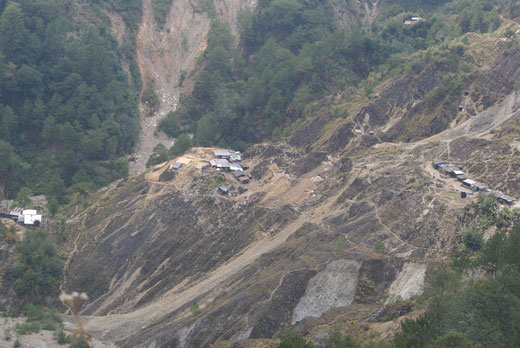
<point x="221" y="154"/>
<point x="504" y="199"/>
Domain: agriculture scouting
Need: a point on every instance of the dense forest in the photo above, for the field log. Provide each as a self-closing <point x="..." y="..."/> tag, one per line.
<point x="67" y="112"/>
<point x="290" y="54"/>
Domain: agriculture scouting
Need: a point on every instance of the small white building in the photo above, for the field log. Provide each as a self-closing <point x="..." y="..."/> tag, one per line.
<point x="30" y="217"/>
<point x="413" y="20"/>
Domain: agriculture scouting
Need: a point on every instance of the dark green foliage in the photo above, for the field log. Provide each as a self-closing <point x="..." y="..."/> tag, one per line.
<point x="473" y="239"/>
<point x="291" y="340"/>
<point x="38" y="318"/>
<point x="292" y="56"/>
<point x="65" y="102"/>
<point x="38" y="271"/>
<point x="414" y="333"/>
<point x="451" y="86"/>
<point x="23" y="197"/>
<point x="481" y="313"/>
<point x="336" y="340"/>
<point x="79" y="342"/>
<point x="213" y="182"/>
<point x="27" y="328"/>
<point x="181" y="145"/>
<point x="486" y="203"/>
<point x="478" y="16"/>
<point x="453" y="340"/>
<point x="379" y="246"/>
<point x="130" y="10"/>
<point x="170" y="125"/>
<point x="150" y="98"/>
<point x="160" y="9"/>
<point x="159" y="155"/>
<point x="63" y="338"/>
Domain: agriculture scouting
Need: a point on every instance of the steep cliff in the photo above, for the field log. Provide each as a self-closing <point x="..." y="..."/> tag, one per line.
<point x="164" y="53"/>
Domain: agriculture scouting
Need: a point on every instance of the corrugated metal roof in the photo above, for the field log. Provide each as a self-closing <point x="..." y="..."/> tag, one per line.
<point x="221" y="163"/>
<point x="16" y="211"/>
<point x="469" y="182"/>
<point x="221" y="153"/>
<point x="223" y="188"/>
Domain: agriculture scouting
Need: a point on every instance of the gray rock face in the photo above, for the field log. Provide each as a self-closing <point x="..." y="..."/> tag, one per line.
<point x="335" y="286"/>
<point x="408" y="283"/>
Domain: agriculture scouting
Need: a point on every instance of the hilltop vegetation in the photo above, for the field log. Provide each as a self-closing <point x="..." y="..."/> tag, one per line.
<point x="67" y="113"/>
<point x="290" y="54"/>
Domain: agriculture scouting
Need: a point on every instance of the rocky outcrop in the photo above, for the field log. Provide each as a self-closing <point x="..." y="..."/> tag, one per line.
<point x="335" y="286"/>
<point x="409" y="282"/>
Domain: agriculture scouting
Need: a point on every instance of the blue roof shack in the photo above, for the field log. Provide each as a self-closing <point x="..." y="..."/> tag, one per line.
<point x="235" y="157"/>
<point x="176" y="166"/>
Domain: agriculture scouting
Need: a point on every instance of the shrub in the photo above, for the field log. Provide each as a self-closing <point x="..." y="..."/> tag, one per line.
<point x="181" y="145"/>
<point x="473" y="239"/>
<point x="214" y="181"/>
<point x="194" y="308"/>
<point x="291" y="340"/>
<point x="170" y="125"/>
<point x="159" y="155"/>
<point x="27" y="328"/>
<point x="63" y="338"/>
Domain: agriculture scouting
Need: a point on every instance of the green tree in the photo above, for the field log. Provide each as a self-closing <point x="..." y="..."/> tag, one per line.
<point x="52" y="205"/>
<point x="55" y="187"/>
<point x="38" y="271"/>
<point x="453" y="340"/>
<point x="473" y="239"/>
<point x="159" y="155"/>
<point x="23" y="197"/>
<point x="181" y="145"/>
<point x="486" y="203"/>
<point x="12" y="32"/>
<point x="291" y="340"/>
<point x="491" y="256"/>
<point x="10" y="166"/>
<point x="336" y="340"/>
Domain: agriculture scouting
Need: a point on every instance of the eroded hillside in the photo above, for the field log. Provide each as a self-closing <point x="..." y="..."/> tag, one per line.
<point x="255" y="264"/>
<point x="164" y="53"/>
<point x="335" y="225"/>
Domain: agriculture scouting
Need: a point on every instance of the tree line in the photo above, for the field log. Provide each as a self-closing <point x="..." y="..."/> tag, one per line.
<point x="67" y="112"/>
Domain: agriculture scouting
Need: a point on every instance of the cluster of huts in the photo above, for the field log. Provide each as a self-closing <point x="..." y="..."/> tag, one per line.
<point x="454" y="171"/>
<point x="225" y="161"/>
<point x="230" y="162"/>
<point x="26" y="217"/>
